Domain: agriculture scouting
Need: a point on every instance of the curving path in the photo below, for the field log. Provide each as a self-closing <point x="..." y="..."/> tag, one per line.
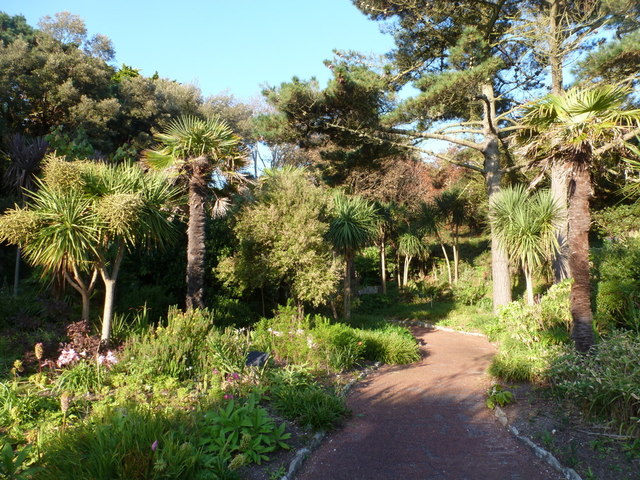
<point x="427" y="420"/>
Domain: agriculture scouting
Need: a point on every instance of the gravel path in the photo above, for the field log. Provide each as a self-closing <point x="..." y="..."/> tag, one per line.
<point x="427" y="420"/>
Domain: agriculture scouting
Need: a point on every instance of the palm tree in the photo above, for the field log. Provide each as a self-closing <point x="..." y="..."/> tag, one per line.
<point x="25" y="156"/>
<point x="84" y="216"/>
<point x="352" y="226"/>
<point x="452" y="208"/>
<point x="525" y="228"/>
<point x="409" y="246"/>
<point x="206" y="153"/>
<point x="429" y="220"/>
<point x="577" y="128"/>
<point x="383" y="229"/>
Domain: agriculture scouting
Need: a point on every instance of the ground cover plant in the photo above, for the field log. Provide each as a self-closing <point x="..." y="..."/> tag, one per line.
<point x="177" y="399"/>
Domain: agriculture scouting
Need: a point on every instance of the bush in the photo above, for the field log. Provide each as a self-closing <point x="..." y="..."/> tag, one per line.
<point x="617" y="286"/>
<point x="391" y="344"/>
<point x="129" y="442"/>
<point x="607" y="382"/>
<point x="309" y="405"/>
<point x="241" y="433"/>
<point x="530" y="336"/>
<point x="175" y="349"/>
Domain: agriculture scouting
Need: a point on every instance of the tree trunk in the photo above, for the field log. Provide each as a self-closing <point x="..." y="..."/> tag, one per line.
<point x="493" y="175"/>
<point x="528" y="277"/>
<point x="559" y="171"/>
<point x="578" y="239"/>
<point x="78" y="283"/>
<point x="347" y="284"/>
<point x="448" y="263"/>
<point x="109" y="281"/>
<point x="196" y="242"/>
<point x="560" y="260"/>
<point x="456" y="257"/>
<point x="407" y="262"/>
<point x="16" y="273"/>
<point x="383" y="266"/>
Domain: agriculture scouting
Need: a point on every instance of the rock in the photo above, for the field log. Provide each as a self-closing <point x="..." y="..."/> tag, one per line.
<point x="256" y="359"/>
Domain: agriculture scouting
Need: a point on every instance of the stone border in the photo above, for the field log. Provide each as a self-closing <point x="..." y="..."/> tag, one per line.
<point x="302" y="454"/>
<point x="541" y="453"/>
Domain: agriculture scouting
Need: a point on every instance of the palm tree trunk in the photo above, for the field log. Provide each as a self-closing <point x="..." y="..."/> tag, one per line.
<point x="78" y="283"/>
<point x="383" y="266"/>
<point x="109" y="281"/>
<point x="407" y="261"/>
<point x="560" y="261"/>
<point x="456" y="257"/>
<point x="196" y="242"/>
<point x="446" y="259"/>
<point x="493" y="175"/>
<point x="528" y="277"/>
<point x="578" y="239"/>
<point x="16" y="273"/>
<point x="347" y="284"/>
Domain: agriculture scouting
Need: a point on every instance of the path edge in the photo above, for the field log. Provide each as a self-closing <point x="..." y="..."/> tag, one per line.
<point x="303" y="453"/>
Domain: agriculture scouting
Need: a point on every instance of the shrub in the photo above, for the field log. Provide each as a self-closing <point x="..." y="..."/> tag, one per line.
<point x="391" y="344"/>
<point x="309" y="405"/>
<point x="129" y="442"/>
<point x="607" y="382"/>
<point x="530" y="336"/>
<point x="617" y="286"/>
<point x="241" y="432"/>
<point x="174" y="349"/>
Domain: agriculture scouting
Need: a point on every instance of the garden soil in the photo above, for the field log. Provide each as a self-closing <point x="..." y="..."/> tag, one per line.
<point x="427" y="420"/>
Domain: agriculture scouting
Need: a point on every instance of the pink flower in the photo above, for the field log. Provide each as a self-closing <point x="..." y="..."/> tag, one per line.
<point x="216" y="371"/>
<point x="67" y="357"/>
<point x="107" y="360"/>
<point x="228" y="396"/>
<point x="154" y="446"/>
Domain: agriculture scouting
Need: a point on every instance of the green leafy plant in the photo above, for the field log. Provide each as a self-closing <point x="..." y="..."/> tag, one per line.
<point x="497" y="396"/>
<point x="14" y="464"/>
<point x="309" y="404"/>
<point x="242" y="428"/>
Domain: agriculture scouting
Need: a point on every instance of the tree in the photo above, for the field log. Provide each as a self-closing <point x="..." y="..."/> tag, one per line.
<point x="452" y="209"/>
<point x="84" y="216"/>
<point x="409" y="246"/>
<point x="555" y="32"/>
<point x="205" y="153"/>
<point x="281" y="239"/>
<point x="25" y="155"/>
<point x="525" y="226"/>
<point x="578" y="128"/>
<point x="353" y="225"/>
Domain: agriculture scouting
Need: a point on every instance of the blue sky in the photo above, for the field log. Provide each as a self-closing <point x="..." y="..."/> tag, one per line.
<point x="235" y="46"/>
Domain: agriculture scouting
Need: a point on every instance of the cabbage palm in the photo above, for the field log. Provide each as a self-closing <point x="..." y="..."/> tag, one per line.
<point x="205" y="153"/>
<point x="524" y="225"/>
<point x="452" y="208"/>
<point x="25" y="155"/>
<point x="409" y="246"/>
<point x="84" y="216"/>
<point x="577" y="128"/>
<point x="353" y="225"/>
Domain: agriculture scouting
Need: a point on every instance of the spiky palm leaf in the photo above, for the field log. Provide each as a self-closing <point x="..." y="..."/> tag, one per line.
<point x="524" y="225"/>
<point x="353" y="224"/>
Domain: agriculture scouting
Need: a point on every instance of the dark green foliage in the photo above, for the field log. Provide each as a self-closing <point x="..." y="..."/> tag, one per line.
<point x="119" y="444"/>
<point x="530" y="336"/>
<point x="618" y="222"/>
<point x="241" y="432"/>
<point x="309" y="405"/>
<point x="605" y="383"/>
<point x="617" y="288"/>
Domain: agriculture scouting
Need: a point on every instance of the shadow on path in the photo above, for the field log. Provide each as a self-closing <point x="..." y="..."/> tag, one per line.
<point x="427" y="420"/>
